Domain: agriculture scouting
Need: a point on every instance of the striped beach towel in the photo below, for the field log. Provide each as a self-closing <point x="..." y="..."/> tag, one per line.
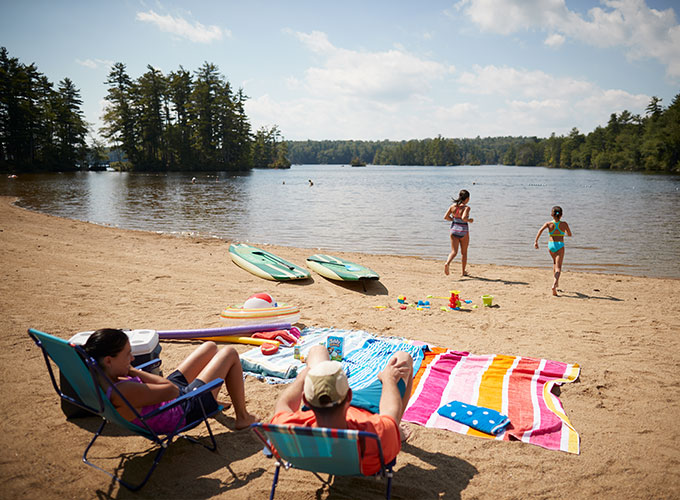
<point x="519" y="387"/>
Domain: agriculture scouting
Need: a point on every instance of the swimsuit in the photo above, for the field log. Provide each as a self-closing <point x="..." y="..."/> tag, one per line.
<point x="556" y="246"/>
<point x="459" y="228"/>
<point x="186" y="412"/>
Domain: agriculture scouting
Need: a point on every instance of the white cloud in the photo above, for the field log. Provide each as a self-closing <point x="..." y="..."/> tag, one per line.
<point x="642" y="31"/>
<point x="506" y="81"/>
<point x="554" y="40"/>
<point x="179" y="26"/>
<point x="389" y="76"/>
<point x="95" y="63"/>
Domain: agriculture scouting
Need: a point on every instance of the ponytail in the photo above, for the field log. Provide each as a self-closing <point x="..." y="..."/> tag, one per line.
<point x="556" y="212"/>
<point x="462" y="196"/>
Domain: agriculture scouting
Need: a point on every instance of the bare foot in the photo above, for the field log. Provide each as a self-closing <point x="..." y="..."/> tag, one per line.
<point x="404" y="432"/>
<point x="554" y="291"/>
<point x="245" y="421"/>
<point x="446" y="269"/>
<point x="465" y="273"/>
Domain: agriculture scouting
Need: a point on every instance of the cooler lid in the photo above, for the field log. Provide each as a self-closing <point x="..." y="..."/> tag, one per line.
<point x="141" y="341"/>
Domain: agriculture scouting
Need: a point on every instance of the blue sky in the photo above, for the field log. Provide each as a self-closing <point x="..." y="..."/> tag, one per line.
<point x="374" y="70"/>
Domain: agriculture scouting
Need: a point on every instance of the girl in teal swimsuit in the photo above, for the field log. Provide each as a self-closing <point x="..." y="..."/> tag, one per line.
<point x="557" y="229"/>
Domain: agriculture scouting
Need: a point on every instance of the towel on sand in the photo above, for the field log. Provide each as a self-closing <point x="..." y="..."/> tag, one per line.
<point x="477" y="417"/>
<point x="519" y="387"/>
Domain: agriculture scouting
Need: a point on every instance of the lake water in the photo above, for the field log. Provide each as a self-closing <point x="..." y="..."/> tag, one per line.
<point x="622" y="222"/>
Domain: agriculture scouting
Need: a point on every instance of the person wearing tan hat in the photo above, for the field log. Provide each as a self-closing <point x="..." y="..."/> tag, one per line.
<point x="323" y="387"/>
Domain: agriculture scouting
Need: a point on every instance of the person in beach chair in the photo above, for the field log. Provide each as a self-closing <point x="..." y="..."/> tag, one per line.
<point x="146" y="404"/>
<point x="323" y="387"/>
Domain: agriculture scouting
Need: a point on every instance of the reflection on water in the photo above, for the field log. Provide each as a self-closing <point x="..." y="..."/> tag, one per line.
<point x="622" y="222"/>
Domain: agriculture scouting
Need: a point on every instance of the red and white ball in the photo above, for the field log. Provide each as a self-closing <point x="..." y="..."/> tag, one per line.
<point x="259" y="301"/>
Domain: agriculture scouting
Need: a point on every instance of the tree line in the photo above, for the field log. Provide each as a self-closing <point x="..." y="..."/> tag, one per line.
<point x="40" y="127"/>
<point x="179" y="121"/>
<point x="627" y="142"/>
<point x="184" y="121"/>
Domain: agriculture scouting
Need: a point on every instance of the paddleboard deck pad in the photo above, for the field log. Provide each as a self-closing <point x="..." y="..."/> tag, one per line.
<point x="335" y="268"/>
<point x="265" y="264"/>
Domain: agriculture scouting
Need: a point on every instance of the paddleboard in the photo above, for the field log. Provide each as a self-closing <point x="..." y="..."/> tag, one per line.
<point x="265" y="264"/>
<point x="335" y="268"/>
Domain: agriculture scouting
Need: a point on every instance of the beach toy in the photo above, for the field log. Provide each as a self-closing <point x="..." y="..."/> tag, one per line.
<point x="454" y="301"/>
<point x="475" y="306"/>
<point x="401" y="299"/>
<point x="268" y="349"/>
<point x="423" y="304"/>
<point x="487" y="300"/>
<point x="225" y="331"/>
<point x="402" y="307"/>
<point x="239" y="340"/>
<point x="259" y="301"/>
<point x="259" y="309"/>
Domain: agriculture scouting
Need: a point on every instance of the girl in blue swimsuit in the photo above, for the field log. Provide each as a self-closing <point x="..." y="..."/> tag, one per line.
<point x="557" y="229"/>
<point x="459" y="215"/>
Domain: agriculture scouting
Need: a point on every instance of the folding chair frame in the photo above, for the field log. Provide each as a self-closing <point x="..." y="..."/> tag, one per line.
<point x="259" y="429"/>
<point x="96" y="374"/>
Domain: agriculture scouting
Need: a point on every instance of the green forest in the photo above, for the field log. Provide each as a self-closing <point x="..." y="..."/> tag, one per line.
<point x="179" y="121"/>
<point x="186" y="121"/>
<point x="627" y="142"/>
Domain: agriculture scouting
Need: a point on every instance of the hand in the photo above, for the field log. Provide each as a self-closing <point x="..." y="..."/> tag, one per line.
<point x="536" y="245"/>
<point x="394" y="370"/>
<point x="471" y="220"/>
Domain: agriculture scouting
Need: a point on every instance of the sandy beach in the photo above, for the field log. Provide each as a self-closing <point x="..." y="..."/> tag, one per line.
<point x="63" y="276"/>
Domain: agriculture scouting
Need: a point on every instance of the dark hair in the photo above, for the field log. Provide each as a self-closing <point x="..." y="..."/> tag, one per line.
<point x="462" y="196"/>
<point x="106" y="342"/>
<point x="556" y="211"/>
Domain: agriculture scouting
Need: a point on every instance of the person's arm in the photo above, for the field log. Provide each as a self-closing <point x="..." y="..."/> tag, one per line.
<point x="147" y="393"/>
<point x="567" y="228"/>
<point x="291" y="398"/>
<point x="466" y="215"/>
<point x="390" y="398"/>
<point x="540" y="231"/>
<point x="449" y="215"/>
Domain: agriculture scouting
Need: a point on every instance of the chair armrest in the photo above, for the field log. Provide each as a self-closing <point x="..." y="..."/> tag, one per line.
<point x="195" y="393"/>
<point x="150" y="365"/>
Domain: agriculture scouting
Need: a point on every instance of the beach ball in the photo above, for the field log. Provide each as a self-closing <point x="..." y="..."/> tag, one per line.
<point x="259" y="301"/>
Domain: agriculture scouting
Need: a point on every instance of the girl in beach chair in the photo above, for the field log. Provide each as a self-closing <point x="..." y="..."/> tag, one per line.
<point x="148" y="392"/>
<point x="557" y="229"/>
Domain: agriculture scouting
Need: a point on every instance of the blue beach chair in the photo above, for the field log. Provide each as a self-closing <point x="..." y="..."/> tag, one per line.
<point x="83" y="373"/>
<point x="336" y="452"/>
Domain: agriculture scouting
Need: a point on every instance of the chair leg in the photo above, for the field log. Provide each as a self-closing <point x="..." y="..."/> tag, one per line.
<point x="388" y="492"/>
<point x="276" y="480"/>
<point x="129" y="486"/>
<point x="211" y="447"/>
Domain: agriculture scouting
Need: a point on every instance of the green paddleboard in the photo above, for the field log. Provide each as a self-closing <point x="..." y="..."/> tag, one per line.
<point x="335" y="268"/>
<point x="265" y="264"/>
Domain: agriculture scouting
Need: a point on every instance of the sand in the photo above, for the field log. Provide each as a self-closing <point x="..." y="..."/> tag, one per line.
<point x="64" y="276"/>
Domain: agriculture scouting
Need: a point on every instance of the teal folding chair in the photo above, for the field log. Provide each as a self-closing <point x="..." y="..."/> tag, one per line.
<point x="336" y="452"/>
<point x="83" y="373"/>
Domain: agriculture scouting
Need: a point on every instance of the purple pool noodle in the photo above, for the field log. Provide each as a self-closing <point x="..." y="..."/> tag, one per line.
<point x="221" y="331"/>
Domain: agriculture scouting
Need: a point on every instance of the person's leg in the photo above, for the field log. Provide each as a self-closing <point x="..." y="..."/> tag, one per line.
<point x="464" y="241"/>
<point x="553" y="256"/>
<point x="454" y="250"/>
<point x="316" y="355"/>
<point x="557" y="266"/>
<point x="197" y="361"/>
<point x="404" y="359"/>
<point x="226" y="365"/>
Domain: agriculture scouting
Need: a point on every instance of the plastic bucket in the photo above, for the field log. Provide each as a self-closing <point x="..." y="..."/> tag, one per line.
<point x="487" y="300"/>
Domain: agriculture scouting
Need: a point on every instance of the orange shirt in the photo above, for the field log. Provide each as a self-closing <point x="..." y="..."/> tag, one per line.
<point x="361" y="420"/>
